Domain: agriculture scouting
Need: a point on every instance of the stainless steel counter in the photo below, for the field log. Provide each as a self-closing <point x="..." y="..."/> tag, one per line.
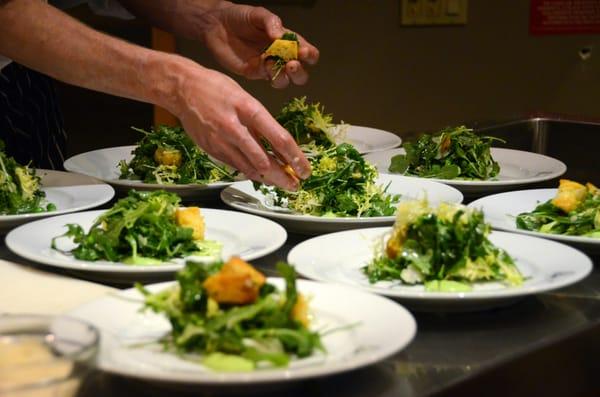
<point x="546" y="344"/>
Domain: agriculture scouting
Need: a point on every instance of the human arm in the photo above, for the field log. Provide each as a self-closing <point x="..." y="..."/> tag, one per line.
<point x="220" y="116"/>
<point x="235" y="34"/>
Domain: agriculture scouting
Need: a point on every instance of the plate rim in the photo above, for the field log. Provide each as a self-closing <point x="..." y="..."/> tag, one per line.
<point x="136" y="184"/>
<point x="562" y="168"/>
<point x="453" y="297"/>
<point x="271" y="375"/>
<point x="121" y="268"/>
<point x="304" y="218"/>
<point x="397" y="140"/>
<point x="105" y="194"/>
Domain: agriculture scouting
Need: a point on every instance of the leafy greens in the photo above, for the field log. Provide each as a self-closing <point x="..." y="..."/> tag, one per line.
<point x="342" y="183"/>
<point x="446" y="248"/>
<point x="575" y="211"/>
<point x="20" y="188"/>
<point x="455" y="152"/>
<point x="166" y="155"/>
<point x="141" y="228"/>
<point x="213" y="315"/>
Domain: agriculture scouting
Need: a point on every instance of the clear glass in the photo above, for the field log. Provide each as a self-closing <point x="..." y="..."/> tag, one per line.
<point x="44" y="356"/>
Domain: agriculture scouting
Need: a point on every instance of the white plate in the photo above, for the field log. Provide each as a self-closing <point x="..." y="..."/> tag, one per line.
<point x="69" y="192"/>
<point x="517" y="168"/>
<point x="244" y="235"/>
<point x="339" y="257"/>
<point x="242" y="196"/>
<point x="367" y="139"/>
<point x="382" y="328"/>
<point x="501" y="211"/>
<point x="103" y="164"/>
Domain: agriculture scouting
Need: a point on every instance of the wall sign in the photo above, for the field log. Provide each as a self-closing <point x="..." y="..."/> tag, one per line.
<point x="564" y="17"/>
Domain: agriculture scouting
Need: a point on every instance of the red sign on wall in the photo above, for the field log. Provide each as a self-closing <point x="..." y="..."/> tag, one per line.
<point x="564" y="17"/>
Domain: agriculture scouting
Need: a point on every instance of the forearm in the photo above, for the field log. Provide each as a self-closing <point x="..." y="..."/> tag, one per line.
<point x="45" y="39"/>
<point x="185" y="18"/>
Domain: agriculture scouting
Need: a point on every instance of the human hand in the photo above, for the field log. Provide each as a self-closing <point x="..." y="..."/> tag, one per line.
<point x="228" y="123"/>
<point x="237" y="36"/>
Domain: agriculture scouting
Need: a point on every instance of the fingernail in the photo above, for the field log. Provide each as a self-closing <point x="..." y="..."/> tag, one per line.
<point x="300" y="169"/>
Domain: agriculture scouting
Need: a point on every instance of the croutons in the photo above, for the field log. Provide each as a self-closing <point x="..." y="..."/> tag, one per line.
<point x="570" y="194"/>
<point x="192" y="218"/>
<point x="284" y="49"/>
<point x="236" y="283"/>
<point x="300" y="311"/>
<point x="165" y="156"/>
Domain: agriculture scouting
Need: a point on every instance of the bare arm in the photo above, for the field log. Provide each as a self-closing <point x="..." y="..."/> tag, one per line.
<point x="46" y="39"/>
<point x="220" y="116"/>
<point x="236" y="34"/>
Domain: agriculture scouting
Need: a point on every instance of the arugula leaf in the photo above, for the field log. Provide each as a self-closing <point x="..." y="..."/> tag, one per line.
<point x="446" y="243"/>
<point x="454" y="152"/>
<point x="167" y="155"/>
<point x="261" y="331"/>
<point x="584" y="220"/>
<point x="20" y="188"/>
<point x="141" y="225"/>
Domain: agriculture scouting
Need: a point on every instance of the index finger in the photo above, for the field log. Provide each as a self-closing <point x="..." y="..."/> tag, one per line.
<point x="263" y="124"/>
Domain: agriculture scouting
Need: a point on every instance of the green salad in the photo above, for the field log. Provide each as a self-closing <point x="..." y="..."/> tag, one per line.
<point x="166" y="155"/>
<point x="143" y="228"/>
<point x="309" y="124"/>
<point x="342" y="183"/>
<point x="20" y="188"/>
<point x="454" y="152"/>
<point x="229" y="318"/>
<point x="445" y="248"/>
<point x="574" y="211"/>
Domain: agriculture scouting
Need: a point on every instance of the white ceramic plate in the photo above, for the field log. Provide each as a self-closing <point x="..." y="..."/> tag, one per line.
<point x="367" y="139"/>
<point x="517" y="168"/>
<point x="244" y="235"/>
<point x="103" y="164"/>
<point x="69" y="192"/>
<point x="339" y="257"/>
<point x="501" y="211"/>
<point x="382" y="329"/>
<point x="242" y="196"/>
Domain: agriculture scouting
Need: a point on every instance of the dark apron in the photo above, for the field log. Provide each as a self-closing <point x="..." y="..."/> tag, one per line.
<point x="31" y="123"/>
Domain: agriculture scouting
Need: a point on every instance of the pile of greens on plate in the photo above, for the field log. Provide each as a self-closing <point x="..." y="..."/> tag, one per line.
<point x="20" y="188"/>
<point x="230" y="318"/>
<point x="445" y="248"/>
<point x="143" y="228"/>
<point x="453" y="153"/>
<point x="166" y="155"/>
<point x="342" y="183"/>
<point x="574" y="211"/>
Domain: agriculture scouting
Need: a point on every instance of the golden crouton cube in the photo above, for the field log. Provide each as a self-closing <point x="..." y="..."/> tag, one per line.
<point x="192" y="218"/>
<point x="165" y="156"/>
<point x="570" y="194"/>
<point x="300" y="311"/>
<point x="285" y="49"/>
<point x="592" y="188"/>
<point x="236" y="283"/>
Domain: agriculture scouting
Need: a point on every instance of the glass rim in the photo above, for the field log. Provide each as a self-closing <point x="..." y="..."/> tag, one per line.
<point x="78" y="356"/>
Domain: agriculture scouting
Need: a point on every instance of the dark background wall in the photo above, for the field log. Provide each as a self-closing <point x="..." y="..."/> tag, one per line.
<point x="375" y="72"/>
